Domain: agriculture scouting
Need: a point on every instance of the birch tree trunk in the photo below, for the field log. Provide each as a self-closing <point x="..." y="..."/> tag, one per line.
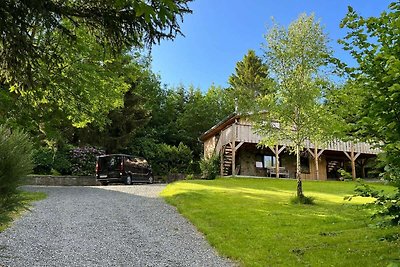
<point x="299" y="182"/>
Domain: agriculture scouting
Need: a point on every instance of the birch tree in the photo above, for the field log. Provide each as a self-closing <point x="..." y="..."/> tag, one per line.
<point x="294" y="112"/>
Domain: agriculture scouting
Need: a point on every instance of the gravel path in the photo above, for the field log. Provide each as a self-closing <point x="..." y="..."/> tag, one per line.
<point x="104" y="226"/>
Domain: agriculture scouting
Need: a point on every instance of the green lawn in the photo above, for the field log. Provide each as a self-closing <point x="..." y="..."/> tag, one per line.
<point x="30" y="197"/>
<point x="252" y="222"/>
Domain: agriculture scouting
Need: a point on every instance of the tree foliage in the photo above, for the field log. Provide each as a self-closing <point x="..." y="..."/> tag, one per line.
<point x="375" y="45"/>
<point x="250" y="80"/>
<point x="27" y="28"/>
<point x="294" y="111"/>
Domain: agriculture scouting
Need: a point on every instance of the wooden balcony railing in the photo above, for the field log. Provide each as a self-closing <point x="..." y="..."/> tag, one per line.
<point x="244" y="133"/>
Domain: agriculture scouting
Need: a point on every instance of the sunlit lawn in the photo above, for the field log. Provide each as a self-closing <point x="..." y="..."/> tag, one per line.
<point x="252" y="222"/>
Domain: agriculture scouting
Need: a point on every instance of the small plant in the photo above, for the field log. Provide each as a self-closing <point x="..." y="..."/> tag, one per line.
<point x="345" y="176"/>
<point x="190" y="177"/>
<point x="210" y="167"/>
<point x="302" y="200"/>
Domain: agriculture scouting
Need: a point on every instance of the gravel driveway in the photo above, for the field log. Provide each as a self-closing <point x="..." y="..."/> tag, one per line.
<point x="104" y="226"/>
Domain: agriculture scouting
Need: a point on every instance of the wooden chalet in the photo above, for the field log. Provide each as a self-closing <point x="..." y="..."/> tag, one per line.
<point x="235" y="142"/>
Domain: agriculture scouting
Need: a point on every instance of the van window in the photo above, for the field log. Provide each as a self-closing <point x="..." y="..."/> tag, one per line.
<point x="110" y="163"/>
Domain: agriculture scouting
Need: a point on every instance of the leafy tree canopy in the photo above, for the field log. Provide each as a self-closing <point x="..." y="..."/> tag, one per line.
<point x="294" y="112"/>
<point x="28" y="27"/>
<point x="374" y="43"/>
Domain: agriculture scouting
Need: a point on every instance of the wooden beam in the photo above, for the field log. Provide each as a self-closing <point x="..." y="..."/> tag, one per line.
<point x="239" y="145"/>
<point x="221" y="163"/>
<point x="277" y="160"/>
<point x="311" y="153"/>
<point x="316" y="163"/>
<point x="281" y="149"/>
<point x="272" y="149"/>
<point x="320" y="152"/>
<point x="353" y="162"/>
<point x="233" y="158"/>
<point x="347" y="154"/>
<point x="356" y="156"/>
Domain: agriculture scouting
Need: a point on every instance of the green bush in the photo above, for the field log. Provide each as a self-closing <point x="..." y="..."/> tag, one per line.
<point x="62" y="162"/>
<point x="171" y="159"/>
<point x="43" y="160"/>
<point x="209" y="167"/>
<point x="346" y="176"/>
<point x="83" y="160"/>
<point x="49" y="161"/>
<point x="15" y="165"/>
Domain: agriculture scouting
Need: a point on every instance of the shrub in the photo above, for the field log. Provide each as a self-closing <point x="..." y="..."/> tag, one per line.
<point x="190" y="177"/>
<point x="62" y="162"/>
<point x="346" y="176"/>
<point x="43" y="160"/>
<point x="15" y="164"/>
<point x="49" y="161"/>
<point x="83" y="160"/>
<point x="209" y="167"/>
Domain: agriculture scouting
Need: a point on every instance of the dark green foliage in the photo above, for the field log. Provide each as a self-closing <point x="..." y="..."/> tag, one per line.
<point x="250" y="80"/>
<point x="179" y="116"/>
<point x="374" y="44"/>
<point x="43" y="160"/>
<point x="210" y="167"/>
<point x="172" y="159"/>
<point x="83" y="160"/>
<point x="164" y="159"/>
<point x="27" y="28"/>
<point x="49" y="161"/>
<point x="74" y="161"/>
<point x="15" y="164"/>
<point x="388" y="205"/>
<point x="302" y="200"/>
<point x="345" y="175"/>
<point x="62" y="162"/>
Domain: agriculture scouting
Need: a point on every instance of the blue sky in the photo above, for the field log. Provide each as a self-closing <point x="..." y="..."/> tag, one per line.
<point x="220" y="32"/>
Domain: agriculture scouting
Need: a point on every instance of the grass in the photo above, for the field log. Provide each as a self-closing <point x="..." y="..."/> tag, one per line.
<point x="252" y="222"/>
<point x="29" y="198"/>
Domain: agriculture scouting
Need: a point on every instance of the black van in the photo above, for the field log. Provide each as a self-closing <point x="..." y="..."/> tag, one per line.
<point x="121" y="168"/>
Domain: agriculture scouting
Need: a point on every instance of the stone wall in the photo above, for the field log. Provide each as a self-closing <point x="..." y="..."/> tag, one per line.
<point x="61" y="180"/>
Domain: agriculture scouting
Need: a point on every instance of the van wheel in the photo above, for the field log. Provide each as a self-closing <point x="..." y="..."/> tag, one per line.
<point x="151" y="179"/>
<point x="128" y="180"/>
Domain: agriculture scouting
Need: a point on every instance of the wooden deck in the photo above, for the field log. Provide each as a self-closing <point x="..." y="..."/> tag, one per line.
<point x="243" y="133"/>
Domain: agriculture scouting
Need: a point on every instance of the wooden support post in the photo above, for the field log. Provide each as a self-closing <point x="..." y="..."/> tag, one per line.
<point x="276" y="150"/>
<point x="233" y="158"/>
<point x="316" y="162"/>
<point x="353" y="162"/>
<point x="316" y="156"/>
<point x="277" y="161"/>
<point x="233" y="145"/>
<point x="222" y="161"/>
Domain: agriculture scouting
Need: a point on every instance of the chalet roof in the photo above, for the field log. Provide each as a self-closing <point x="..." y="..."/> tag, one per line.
<point x="219" y="126"/>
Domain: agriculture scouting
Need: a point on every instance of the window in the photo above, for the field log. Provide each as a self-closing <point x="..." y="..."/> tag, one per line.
<point x="269" y="161"/>
<point x="265" y="161"/>
<point x="304" y="164"/>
